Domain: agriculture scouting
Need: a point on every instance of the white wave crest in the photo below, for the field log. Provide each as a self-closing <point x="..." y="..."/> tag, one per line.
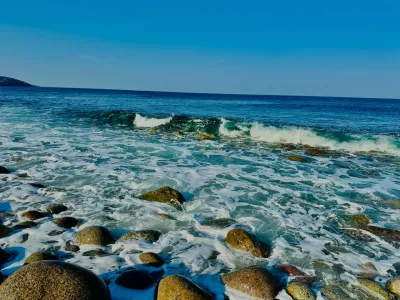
<point x="301" y="136"/>
<point x="231" y="133"/>
<point x="144" y="122"/>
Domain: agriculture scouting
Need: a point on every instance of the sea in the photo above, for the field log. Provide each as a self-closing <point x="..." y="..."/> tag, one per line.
<point x="231" y="156"/>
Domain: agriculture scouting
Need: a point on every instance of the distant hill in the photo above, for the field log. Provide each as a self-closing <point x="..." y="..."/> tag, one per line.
<point x="7" y="81"/>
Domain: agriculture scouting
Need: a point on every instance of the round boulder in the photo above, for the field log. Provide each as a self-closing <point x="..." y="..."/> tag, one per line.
<point x="394" y="285"/>
<point x="4" y="231"/>
<point x="165" y="195"/>
<point x="40" y="255"/>
<point x="66" y="222"/>
<point x="52" y="280"/>
<point x="218" y="223"/>
<point x="33" y="215"/>
<point x="244" y="241"/>
<point x="299" y="291"/>
<point x="150" y="236"/>
<point x="94" y="235"/>
<point x="253" y="281"/>
<point x="180" y="288"/>
<point x="135" y="279"/>
<point x="24" y="225"/>
<point x="56" y="208"/>
<point x="151" y="259"/>
<point x="373" y="287"/>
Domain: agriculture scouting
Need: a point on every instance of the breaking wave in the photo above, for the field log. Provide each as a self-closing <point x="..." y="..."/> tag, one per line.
<point x="257" y="131"/>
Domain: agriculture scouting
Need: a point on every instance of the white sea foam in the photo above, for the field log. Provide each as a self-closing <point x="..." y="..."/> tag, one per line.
<point x="145" y="122"/>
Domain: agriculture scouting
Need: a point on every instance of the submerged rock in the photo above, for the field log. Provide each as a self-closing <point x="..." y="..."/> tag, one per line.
<point x="372" y="287"/>
<point x="151" y="259"/>
<point x="165" y="195"/>
<point x="358" y="220"/>
<point x="66" y="222"/>
<point x="96" y="252"/>
<point x="316" y="151"/>
<point x="33" y="215"/>
<point x="94" y="235"/>
<point x="253" y="281"/>
<point x="358" y="234"/>
<point x="394" y="285"/>
<point x="244" y="241"/>
<point x="135" y="279"/>
<point x="4" y="231"/>
<point x="180" y="288"/>
<point x="141" y="235"/>
<point x="40" y="255"/>
<point x="299" y="291"/>
<point x="37" y="185"/>
<point x="296" y="158"/>
<point x="291" y="270"/>
<point x="4" y="170"/>
<point x="389" y="235"/>
<point x="71" y="248"/>
<point x="3" y="256"/>
<point x="24" y="225"/>
<point x="334" y="292"/>
<point x="53" y="280"/>
<point x="205" y="136"/>
<point x="56" y="208"/>
<point x="218" y="223"/>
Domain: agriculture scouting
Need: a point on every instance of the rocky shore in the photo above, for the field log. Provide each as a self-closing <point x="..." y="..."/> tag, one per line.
<point x="46" y="275"/>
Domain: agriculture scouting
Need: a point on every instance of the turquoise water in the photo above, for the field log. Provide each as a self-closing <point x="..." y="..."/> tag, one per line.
<point x="96" y="150"/>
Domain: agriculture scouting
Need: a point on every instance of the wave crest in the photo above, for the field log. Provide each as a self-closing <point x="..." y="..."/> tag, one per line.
<point x="145" y="122"/>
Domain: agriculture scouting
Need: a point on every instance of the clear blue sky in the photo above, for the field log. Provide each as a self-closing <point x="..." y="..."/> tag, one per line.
<point x="338" y="48"/>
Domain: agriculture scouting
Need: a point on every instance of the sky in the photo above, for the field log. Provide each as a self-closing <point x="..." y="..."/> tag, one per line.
<point x="288" y="47"/>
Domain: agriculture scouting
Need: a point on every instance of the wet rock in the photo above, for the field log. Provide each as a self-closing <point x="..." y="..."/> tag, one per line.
<point x="151" y="259"/>
<point x="244" y="241"/>
<point x="24" y="237"/>
<point x="96" y="252"/>
<point x="165" y="216"/>
<point x="33" y="215"/>
<point x="94" y="235"/>
<point x="296" y="158"/>
<point x="358" y="220"/>
<point x="6" y="215"/>
<point x="72" y="248"/>
<point x="253" y="281"/>
<point x="1" y="278"/>
<point x="141" y="235"/>
<point x="358" y="234"/>
<point x="55" y="232"/>
<point x="37" y="185"/>
<point x="372" y="287"/>
<point x="180" y="288"/>
<point x="4" y="170"/>
<point x="4" y="231"/>
<point x="165" y="195"/>
<point x="56" y="208"/>
<point x="53" y="280"/>
<point x="316" y="151"/>
<point x="3" y="256"/>
<point x="135" y="279"/>
<point x="334" y="292"/>
<point x="291" y="270"/>
<point x="24" y="225"/>
<point x="66" y="222"/>
<point x="394" y="285"/>
<point x="299" y="291"/>
<point x="389" y="235"/>
<point x="40" y="255"/>
<point x="218" y="223"/>
<point x="205" y="136"/>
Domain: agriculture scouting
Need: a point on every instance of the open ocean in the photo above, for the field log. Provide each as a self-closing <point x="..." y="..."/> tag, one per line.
<point x="97" y="150"/>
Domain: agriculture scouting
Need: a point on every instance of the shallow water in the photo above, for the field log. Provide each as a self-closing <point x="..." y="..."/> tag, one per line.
<point x="96" y="150"/>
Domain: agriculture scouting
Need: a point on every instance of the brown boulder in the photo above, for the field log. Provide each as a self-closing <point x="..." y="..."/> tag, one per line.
<point x="94" y="235"/>
<point x="56" y="208"/>
<point x="253" y="281"/>
<point x="394" y="285"/>
<point x="180" y="288"/>
<point x="4" y="231"/>
<point x="299" y="291"/>
<point x="66" y="222"/>
<point x="165" y="195"/>
<point x="244" y="241"/>
<point x="24" y="225"/>
<point x="53" y="280"/>
<point x="33" y="215"/>
<point x="316" y="151"/>
<point x="151" y="259"/>
<point x="296" y="158"/>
